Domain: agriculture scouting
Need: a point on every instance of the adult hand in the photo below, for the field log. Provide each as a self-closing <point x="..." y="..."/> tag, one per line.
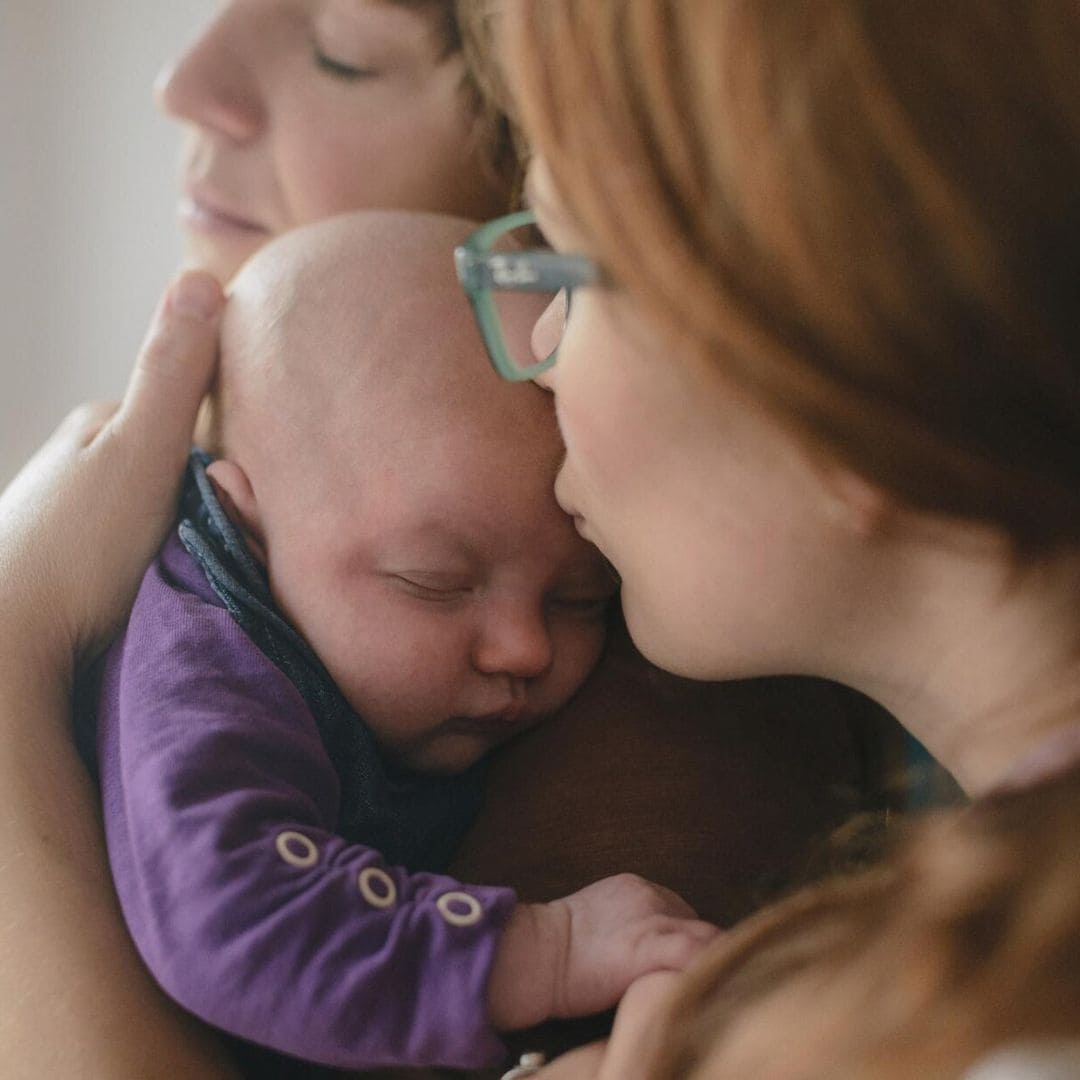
<point x="630" y="1052"/>
<point x="80" y="522"/>
<point x="77" y="527"/>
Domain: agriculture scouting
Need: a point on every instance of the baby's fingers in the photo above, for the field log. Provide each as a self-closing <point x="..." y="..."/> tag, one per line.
<point x="674" y="944"/>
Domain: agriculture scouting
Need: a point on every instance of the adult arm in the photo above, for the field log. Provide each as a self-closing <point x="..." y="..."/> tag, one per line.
<point x="76" y="1000"/>
<point x="639" y="1031"/>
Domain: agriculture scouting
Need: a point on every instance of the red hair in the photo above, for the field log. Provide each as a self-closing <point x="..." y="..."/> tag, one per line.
<point x="867" y="213"/>
<point x="969" y="937"/>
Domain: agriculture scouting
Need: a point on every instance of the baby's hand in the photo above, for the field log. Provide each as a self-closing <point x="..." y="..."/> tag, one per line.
<point x="578" y="955"/>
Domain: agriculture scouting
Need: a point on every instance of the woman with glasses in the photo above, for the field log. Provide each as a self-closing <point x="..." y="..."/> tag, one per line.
<point x="286" y="107"/>
<point x="816" y="361"/>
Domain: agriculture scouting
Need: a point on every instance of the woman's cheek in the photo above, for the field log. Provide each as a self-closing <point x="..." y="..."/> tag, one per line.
<point x="549" y="328"/>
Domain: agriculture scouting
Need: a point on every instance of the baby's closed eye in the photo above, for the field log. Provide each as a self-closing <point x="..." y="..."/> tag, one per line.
<point x="438" y="588"/>
<point x="586" y="605"/>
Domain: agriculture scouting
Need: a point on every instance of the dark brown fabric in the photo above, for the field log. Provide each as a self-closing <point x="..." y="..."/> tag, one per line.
<point x="717" y="790"/>
<point x="713" y="789"/>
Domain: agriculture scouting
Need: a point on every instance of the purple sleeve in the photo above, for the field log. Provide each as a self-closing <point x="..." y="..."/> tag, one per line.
<point x="218" y="801"/>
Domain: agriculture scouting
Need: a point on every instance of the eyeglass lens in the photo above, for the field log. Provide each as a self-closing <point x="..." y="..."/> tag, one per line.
<point x="518" y="309"/>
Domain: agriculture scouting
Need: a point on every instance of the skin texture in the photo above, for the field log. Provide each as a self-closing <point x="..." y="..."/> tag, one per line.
<point x="933" y="615"/>
<point x="295" y="110"/>
<point x="59" y="929"/>
<point x="404" y="507"/>
<point x="649" y="482"/>
<point x="750" y="552"/>
<point x="269" y="134"/>
<point x="61" y="942"/>
<point x="635" y="1035"/>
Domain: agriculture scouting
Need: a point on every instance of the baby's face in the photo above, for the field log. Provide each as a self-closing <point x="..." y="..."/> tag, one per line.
<point x="447" y="594"/>
<point x="400" y="493"/>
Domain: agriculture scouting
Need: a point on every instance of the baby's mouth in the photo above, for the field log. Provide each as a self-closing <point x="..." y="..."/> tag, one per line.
<point x="504" y="722"/>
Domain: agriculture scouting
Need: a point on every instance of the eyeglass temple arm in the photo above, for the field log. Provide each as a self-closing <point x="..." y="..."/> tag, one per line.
<point x="534" y="271"/>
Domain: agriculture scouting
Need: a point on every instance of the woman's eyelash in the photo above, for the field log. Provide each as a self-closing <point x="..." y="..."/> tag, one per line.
<point x="337" y="69"/>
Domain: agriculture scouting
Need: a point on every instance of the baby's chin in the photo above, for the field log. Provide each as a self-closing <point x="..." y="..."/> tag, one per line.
<point x="444" y="755"/>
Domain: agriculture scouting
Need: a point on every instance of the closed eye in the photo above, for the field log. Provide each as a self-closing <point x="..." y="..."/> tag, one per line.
<point x="582" y="607"/>
<point x="437" y="592"/>
<point x="338" y="69"/>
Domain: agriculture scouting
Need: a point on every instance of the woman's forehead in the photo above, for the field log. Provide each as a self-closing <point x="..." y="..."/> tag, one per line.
<point x="438" y="15"/>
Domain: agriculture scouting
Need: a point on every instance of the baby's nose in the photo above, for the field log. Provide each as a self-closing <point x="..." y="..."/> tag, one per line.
<point x="514" y="642"/>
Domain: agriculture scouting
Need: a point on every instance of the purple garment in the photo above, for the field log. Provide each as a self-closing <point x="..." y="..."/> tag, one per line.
<point x="207" y="755"/>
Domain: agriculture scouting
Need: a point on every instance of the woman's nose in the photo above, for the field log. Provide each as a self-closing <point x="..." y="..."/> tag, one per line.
<point x="211" y="84"/>
<point x="513" y="641"/>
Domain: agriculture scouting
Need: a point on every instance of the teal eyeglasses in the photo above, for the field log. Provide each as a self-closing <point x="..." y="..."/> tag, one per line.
<point x="497" y="263"/>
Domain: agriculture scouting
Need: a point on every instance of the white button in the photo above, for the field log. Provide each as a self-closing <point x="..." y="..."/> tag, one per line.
<point x="381" y="897"/>
<point x="287" y="844"/>
<point x="448" y="902"/>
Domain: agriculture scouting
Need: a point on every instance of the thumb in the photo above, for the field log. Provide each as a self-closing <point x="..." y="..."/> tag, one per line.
<point x="675" y="944"/>
<point x="641" y="1025"/>
<point x="174" y="369"/>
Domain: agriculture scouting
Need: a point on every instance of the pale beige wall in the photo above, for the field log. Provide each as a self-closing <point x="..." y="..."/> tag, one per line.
<point x="87" y="236"/>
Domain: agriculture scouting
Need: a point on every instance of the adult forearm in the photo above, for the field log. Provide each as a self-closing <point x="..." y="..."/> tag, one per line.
<point x="76" y="999"/>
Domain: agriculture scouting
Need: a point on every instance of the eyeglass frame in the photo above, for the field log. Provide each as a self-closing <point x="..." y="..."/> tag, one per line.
<point x="482" y="272"/>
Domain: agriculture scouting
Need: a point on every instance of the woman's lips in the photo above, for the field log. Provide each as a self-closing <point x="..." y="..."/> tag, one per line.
<point x="565" y="503"/>
<point x="201" y="215"/>
<point x="579" y="524"/>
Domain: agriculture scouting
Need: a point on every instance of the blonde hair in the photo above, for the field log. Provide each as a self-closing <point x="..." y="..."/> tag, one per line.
<point x="466" y="26"/>
<point x="868" y="213"/>
<point x="969" y="937"/>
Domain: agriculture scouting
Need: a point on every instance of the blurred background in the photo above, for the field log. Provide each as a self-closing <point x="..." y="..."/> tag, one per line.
<point x="87" y="200"/>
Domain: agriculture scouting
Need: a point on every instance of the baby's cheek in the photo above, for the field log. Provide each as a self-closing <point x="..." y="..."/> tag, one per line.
<point x="576" y="656"/>
<point x="408" y="676"/>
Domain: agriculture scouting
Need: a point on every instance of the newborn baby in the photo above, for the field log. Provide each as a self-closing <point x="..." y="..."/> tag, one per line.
<point x="370" y="587"/>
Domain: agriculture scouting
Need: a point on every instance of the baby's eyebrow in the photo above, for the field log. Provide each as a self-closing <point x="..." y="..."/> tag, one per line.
<point x="439" y="529"/>
<point x="434" y="538"/>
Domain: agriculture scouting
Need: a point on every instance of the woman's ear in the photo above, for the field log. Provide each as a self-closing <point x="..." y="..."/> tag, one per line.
<point x="237" y="498"/>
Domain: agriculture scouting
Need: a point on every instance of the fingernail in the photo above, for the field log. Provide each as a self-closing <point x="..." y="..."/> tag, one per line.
<point x="197" y="296"/>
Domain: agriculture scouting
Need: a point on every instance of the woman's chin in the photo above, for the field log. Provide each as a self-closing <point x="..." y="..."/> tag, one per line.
<point x="221" y="257"/>
<point x="669" y="644"/>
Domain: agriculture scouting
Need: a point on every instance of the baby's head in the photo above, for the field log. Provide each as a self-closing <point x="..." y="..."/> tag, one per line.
<point x="399" y="492"/>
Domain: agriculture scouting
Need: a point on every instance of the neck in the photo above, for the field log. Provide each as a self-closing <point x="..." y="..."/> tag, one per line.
<point x="980" y="661"/>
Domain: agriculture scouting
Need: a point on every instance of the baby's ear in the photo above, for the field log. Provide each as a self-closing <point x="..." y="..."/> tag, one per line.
<point x="237" y="498"/>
